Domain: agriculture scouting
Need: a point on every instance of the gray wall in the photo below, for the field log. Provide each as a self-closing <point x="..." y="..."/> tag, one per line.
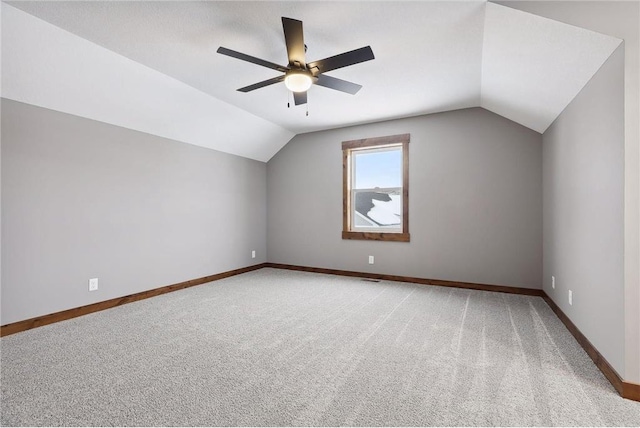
<point x="475" y="211"/>
<point x="583" y="164"/>
<point x="83" y="199"/>
<point x="619" y="19"/>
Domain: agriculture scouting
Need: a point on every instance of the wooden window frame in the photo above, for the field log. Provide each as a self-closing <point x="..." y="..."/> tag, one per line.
<point x="353" y="145"/>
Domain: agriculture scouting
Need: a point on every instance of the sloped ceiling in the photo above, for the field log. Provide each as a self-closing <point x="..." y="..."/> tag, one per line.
<point x="152" y="66"/>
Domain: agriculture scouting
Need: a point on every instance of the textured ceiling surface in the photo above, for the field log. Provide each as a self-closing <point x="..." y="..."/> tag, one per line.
<point x="533" y="67"/>
<point x="430" y="57"/>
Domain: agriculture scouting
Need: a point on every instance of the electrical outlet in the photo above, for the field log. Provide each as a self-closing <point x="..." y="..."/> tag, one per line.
<point x="553" y="282"/>
<point x="570" y="297"/>
<point x="253" y="254"/>
<point x="370" y="260"/>
<point x="93" y="284"/>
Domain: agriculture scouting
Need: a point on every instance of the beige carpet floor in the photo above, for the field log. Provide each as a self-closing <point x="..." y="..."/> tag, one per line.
<point x="274" y="347"/>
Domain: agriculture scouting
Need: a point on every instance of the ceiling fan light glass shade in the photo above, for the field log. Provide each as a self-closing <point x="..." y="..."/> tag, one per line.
<point x="298" y="81"/>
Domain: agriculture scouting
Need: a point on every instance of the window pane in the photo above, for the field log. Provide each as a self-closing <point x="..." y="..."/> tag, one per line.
<point x="381" y="169"/>
<point x="378" y="209"/>
<point x="376" y="188"/>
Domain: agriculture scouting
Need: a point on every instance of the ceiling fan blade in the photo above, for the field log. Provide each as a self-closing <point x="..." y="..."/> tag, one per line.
<point x="300" y="98"/>
<point x="262" y="84"/>
<point x="252" y="59"/>
<point x="338" y="84"/>
<point x="294" y="39"/>
<point x="343" y="60"/>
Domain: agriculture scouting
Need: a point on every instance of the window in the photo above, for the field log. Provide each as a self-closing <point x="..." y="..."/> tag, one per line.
<point x="375" y="187"/>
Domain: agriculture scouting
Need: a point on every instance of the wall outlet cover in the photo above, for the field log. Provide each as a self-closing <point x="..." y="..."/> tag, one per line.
<point x="93" y="284"/>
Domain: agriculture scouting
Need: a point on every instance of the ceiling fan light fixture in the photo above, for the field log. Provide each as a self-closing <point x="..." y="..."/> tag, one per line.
<point x="298" y="81"/>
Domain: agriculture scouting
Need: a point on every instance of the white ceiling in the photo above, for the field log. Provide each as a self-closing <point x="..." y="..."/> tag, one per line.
<point x="152" y="66"/>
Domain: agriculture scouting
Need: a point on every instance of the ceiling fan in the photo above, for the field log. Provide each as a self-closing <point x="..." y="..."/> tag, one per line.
<point x="299" y="74"/>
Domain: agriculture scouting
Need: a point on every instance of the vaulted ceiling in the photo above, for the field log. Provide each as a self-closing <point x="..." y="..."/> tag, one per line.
<point x="153" y="66"/>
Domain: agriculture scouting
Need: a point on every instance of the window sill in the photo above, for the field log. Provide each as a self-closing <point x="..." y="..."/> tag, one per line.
<point x="377" y="236"/>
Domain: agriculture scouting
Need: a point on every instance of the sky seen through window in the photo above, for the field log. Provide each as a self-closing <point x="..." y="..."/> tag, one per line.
<point x="378" y="169"/>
